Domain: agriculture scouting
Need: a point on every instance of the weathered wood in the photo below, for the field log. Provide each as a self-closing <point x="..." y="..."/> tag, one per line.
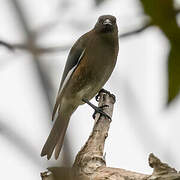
<point x="90" y="163"/>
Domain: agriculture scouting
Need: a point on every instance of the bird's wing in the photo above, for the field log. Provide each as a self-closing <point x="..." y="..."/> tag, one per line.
<point x="75" y="55"/>
<point x="73" y="60"/>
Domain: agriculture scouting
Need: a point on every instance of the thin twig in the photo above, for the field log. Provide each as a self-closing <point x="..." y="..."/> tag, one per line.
<point x="44" y="50"/>
<point x="55" y="49"/>
<point x="136" y="31"/>
<point x="7" y="45"/>
<point x="38" y="50"/>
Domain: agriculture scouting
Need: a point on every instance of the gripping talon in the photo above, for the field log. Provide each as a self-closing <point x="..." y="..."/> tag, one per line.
<point x="100" y="110"/>
<point x="101" y="91"/>
<point x="105" y="92"/>
<point x="97" y="109"/>
<point x="97" y="97"/>
<point x="103" y="106"/>
<point x="101" y="114"/>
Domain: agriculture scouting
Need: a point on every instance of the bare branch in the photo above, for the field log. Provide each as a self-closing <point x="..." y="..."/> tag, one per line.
<point x="12" y="47"/>
<point x="38" y="50"/>
<point x="90" y="162"/>
<point x="55" y="49"/>
<point x="92" y="152"/>
<point x="136" y="31"/>
<point x="7" y="45"/>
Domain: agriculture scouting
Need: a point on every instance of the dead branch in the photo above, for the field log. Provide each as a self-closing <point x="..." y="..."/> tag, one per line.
<point x="7" y="45"/>
<point x="38" y="50"/>
<point x="143" y="27"/>
<point x="90" y="163"/>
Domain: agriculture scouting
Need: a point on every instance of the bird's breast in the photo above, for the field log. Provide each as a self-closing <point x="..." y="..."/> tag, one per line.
<point x="94" y="69"/>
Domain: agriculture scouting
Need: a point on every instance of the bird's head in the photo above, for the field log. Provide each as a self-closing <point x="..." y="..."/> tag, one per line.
<point x="106" y="24"/>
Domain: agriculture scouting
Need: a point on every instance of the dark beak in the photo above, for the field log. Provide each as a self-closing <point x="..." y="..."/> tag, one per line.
<point x="107" y="22"/>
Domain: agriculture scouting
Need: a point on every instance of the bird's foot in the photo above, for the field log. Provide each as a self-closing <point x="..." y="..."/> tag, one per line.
<point x="97" y="109"/>
<point x="101" y="112"/>
<point x="105" y="92"/>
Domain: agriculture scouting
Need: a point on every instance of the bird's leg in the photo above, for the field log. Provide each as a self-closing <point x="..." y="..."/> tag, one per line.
<point x="105" y="92"/>
<point x="97" y="109"/>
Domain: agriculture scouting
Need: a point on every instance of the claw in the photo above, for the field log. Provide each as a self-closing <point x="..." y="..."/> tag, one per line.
<point x="100" y="110"/>
<point x="105" y="92"/>
<point x="101" y="114"/>
<point x="97" y="109"/>
<point x="101" y="91"/>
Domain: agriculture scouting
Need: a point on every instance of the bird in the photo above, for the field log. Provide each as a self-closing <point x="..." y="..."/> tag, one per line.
<point x="89" y="65"/>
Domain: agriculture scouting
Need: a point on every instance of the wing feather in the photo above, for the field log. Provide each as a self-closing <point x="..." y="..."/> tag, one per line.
<point x="75" y="56"/>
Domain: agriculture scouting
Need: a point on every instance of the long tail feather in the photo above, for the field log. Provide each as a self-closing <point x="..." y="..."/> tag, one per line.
<point x="60" y="143"/>
<point x="57" y="134"/>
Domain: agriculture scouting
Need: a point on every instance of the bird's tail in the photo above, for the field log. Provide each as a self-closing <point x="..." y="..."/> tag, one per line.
<point x="56" y="137"/>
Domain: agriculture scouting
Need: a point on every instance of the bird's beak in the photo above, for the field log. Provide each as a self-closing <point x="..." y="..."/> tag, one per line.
<point x="107" y="22"/>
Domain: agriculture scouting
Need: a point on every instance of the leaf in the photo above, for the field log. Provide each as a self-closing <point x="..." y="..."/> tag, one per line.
<point x="173" y="73"/>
